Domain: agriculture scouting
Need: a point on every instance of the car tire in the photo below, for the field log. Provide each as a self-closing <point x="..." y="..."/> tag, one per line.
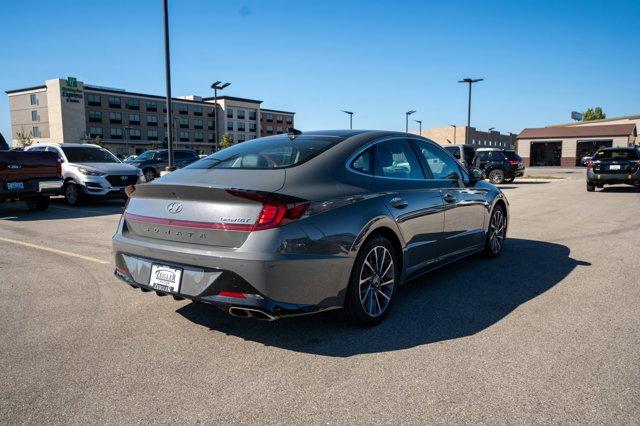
<point x="496" y="233"/>
<point x="373" y="283"/>
<point x="149" y="175"/>
<point x="496" y="176"/>
<point x="38" y="204"/>
<point x="591" y="187"/>
<point x="72" y="193"/>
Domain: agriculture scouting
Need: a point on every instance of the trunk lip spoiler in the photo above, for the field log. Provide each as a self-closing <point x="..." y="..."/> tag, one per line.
<point x="189" y="223"/>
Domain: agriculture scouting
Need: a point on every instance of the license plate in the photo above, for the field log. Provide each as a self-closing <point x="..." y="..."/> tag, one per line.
<point x="614" y="167"/>
<point x="15" y="185"/>
<point x="165" y="278"/>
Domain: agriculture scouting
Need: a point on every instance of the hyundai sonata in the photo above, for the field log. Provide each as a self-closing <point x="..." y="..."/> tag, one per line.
<point x="304" y="222"/>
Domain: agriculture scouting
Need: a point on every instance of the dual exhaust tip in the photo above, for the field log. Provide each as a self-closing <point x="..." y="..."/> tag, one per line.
<point x="242" y="312"/>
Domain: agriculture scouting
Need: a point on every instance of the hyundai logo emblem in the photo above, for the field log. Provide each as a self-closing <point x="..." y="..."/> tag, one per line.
<point x="175" y="207"/>
<point x="124" y="177"/>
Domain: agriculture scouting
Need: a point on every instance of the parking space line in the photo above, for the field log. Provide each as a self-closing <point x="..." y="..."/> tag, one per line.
<point x="56" y="251"/>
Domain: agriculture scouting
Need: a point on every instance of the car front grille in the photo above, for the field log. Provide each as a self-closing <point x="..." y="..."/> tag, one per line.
<point x="122" y="180"/>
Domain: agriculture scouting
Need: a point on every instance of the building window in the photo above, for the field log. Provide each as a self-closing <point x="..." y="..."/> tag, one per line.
<point x="116" y="133"/>
<point x="115" y="117"/>
<point x="34" y="115"/>
<point x="198" y="124"/>
<point x="35" y="132"/>
<point x="229" y="113"/>
<point x="289" y="119"/>
<point x="134" y="134"/>
<point x="198" y="137"/>
<point x="270" y="128"/>
<point x="134" y="119"/>
<point x="231" y="138"/>
<point x="230" y="126"/>
<point x="279" y="118"/>
<point x="211" y="137"/>
<point x="184" y="123"/>
<point x="197" y="110"/>
<point x="240" y="114"/>
<point x="241" y="138"/>
<point x="95" y="132"/>
<point x="94" y="99"/>
<point x="209" y="112"/>
<point x="34" y="99"/>
<point x="152" y="106"/>
<point x="252" y="127"/>
<point x="95" y="117"/>
<point x="152" y="120"/>
<point x="183" y="109"/>
<point x="252" y="114"/>
<point x="133" y="103"/>
<point x="269" y="118"/>
<point x="240" y="126"/>
<point x="152" y="135"/>
<point x="184" y="136"/>
<point x="210" y="125"/>
<point x="115" y="102"/>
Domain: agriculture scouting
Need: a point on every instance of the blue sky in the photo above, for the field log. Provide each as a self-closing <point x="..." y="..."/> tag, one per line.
<point x="540" y="60"/>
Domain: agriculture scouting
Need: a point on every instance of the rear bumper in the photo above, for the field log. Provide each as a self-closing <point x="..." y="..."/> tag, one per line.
<point x="32" y="188"/>
<point x="613" y="178"/>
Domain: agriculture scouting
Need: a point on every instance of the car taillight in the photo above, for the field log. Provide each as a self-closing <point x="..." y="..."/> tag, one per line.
<point x="275" y="211"/>
<point x="59" y="168"/>
<point x="512" y="162"/>
<point x="590" y="165"/>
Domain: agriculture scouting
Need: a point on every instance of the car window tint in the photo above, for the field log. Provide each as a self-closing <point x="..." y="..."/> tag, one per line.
<point x="468" y="152"/>
<point x="395" y="159"/>
<point x="163" y="157"/>
<point x="442" y="166"/>
<point x="362" y="162"/>
<point x="496" y="156"/>
<point x="622" y="154"/>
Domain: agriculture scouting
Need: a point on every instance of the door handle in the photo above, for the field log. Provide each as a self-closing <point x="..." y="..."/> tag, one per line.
<point x="398" y="203"/>
<point x="449" y="197"/>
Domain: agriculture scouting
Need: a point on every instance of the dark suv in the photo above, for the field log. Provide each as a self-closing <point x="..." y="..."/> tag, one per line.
<point x="500" y="166"/>
<point x="154" y="161"/>
<point x="610" y="166"/>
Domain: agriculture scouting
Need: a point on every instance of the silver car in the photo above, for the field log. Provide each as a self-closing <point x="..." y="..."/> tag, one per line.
<point x="301" y="223"/>
<point x="90" y="171"/>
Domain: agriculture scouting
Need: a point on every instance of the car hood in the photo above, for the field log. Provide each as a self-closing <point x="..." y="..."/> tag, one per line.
<point x="109" y="168"/>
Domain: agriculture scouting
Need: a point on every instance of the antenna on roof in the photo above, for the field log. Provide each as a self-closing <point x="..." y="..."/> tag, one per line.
<point x="292" y="133"/>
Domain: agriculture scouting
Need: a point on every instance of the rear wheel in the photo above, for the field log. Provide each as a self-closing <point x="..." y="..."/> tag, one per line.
<point x="591" y="187"/>
<point x="497" y="233"/>
<point x="373" y="282"/>
<point x="496" y="176"/>
<point x="38" y="203"/>
<point x="72" y="193"/>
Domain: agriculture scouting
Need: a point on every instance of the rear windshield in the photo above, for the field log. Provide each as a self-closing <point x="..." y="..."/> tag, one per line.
<point x="511" y="155"/>
<point x="453" y="150"/>
<point x="621" y="154"/>
<point x="78" y="154"/>
<point x="275" y="152"/>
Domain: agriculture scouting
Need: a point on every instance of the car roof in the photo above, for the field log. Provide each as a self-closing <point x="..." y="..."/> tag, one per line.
<point x="66" y="144"/>
<point x="617" y="148"/>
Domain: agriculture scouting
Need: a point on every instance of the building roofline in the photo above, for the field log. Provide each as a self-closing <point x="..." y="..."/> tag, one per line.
<point x="276" y="110"/>
<point x="233" y="98"/>
<point x="26" y="89"/>
<point x="560" y="132"/>
<point x="602" y="120"/>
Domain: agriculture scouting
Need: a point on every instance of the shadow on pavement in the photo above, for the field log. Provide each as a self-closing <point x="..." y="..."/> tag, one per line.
<point x="619" y="189"/>
<point x="58" y="209"/>
<point x="459" y="300"/>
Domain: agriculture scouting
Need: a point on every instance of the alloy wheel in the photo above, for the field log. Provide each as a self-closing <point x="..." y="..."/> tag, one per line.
<point x="149" y="175"/>
<point x="71" y="193"/>
<point x="376" y="281"/>
<point x="496" y="176"/>
<point x="497" y="230"/>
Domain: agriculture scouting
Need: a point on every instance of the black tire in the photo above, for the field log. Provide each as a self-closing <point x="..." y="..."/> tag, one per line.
<point x="591" y="187"/>
<point x="496" y="176"/>
<point x="149" y="174"/>
<point x="38" y="204"/>
<point x="509" y="180"/>
<point x="367" y="303"/>
<point x="496" y="233"/>
<point x="72" y="193"/>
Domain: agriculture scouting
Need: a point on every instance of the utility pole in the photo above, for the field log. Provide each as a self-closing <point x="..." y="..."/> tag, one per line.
<point x="406" y="124"/>
<point x="350" y="118"/>
<point x="420" y="123"/>
<point x="470" y="82"/>
<point x="454" y="132"/>
<point x="167" y="65"/>
<point x="216" y="86"/>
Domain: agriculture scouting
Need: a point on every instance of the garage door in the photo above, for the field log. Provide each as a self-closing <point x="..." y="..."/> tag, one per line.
<point x="590" y="147"/>
<point x="546" y="153"/>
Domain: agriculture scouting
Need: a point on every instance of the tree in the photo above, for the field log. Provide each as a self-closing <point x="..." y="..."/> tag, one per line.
<point x="96" y="141"/>
<point x="593" y="114"/>
<point x="24" y="140"/>
<point x="226" y="141"/>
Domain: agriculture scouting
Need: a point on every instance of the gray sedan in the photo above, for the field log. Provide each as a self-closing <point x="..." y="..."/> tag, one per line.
<point x="300" y="223"/>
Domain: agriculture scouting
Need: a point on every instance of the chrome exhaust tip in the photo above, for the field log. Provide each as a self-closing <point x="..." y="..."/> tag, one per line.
<point x="242" y="312"/>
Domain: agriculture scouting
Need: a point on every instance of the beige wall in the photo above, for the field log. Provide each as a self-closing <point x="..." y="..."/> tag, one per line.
<point x="66" y="111"/>
<point x="20" y="110"/>
<point x="569" y="145"/>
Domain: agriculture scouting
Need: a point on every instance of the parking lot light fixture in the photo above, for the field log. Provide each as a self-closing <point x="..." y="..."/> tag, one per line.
<point x="167" y="64"/>
<point x="218" y="85"/>
<point x="420" y="123"/>
<point x="406" y="124"/>
<point x="454" y="133"/>
<point x="470" y="82"/>
<point x="489" y="135"/>
<point x="350" y="118"/>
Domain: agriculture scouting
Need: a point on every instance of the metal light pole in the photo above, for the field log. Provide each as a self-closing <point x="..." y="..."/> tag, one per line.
<point x="470" y="82"/>
<point x="406" y="124"/>
<point x="350" y="118"/>
<point x="167" y="65"/>
<point x="454" y="132"/>
<point x="489" y="135"/>
<point x="216" y="86"/>
<point x="420" y="123"/>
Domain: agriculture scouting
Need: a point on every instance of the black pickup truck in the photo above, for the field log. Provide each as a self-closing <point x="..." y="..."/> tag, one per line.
<point x="29" y="176"/>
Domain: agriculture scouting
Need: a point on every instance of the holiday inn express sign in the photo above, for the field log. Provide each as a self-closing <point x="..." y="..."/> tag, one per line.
<point x="70" y="90"/>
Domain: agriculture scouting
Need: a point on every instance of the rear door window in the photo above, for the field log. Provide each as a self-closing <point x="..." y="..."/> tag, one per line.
<point x="395" y="159"/>
<point x="362" y="163"/>
<point x="441" y="165"/>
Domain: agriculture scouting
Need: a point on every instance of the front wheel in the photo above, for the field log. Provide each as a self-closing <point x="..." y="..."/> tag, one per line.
<point x="496" y="176"/>
<point x="496" y="233"/>
<point x="72" y="193"/>
<point x="38" y="203"/>
<point x="373" y="282"/>
<point x="591" y="187"/>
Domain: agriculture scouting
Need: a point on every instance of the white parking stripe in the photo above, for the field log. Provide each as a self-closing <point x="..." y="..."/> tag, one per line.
<point x="52" y="250"/>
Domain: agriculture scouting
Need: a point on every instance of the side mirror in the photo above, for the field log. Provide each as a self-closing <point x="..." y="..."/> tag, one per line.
<point x="476" y="175"/>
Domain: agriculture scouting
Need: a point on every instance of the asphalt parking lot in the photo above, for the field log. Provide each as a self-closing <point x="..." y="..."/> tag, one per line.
<point x="549" y="332"/>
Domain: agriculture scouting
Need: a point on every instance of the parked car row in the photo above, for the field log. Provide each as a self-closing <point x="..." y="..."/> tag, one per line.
<point x="499" y="165"/>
